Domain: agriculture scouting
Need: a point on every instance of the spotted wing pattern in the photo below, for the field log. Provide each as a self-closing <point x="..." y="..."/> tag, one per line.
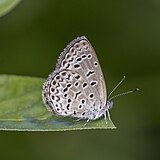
<point x="76" y="88"/>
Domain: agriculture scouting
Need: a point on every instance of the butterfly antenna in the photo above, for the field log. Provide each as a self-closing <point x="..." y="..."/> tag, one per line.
<point x="121" y="94"/>
<point x="121" y="81"/>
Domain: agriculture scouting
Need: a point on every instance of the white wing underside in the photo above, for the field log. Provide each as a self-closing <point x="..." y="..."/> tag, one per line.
<point x="76" y="88"/>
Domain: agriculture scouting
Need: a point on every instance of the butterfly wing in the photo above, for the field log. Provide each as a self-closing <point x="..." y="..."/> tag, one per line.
<point x="77" y="85"/>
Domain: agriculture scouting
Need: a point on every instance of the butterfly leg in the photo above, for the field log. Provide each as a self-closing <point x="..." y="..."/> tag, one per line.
<point x="86" y="122"/>
<point x="105" y="116"/>
<point x="108" y="114"/>
<point x="77" y="120"/>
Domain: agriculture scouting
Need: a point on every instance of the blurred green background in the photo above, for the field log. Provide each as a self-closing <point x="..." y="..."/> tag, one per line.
<point x="126" y="37"/>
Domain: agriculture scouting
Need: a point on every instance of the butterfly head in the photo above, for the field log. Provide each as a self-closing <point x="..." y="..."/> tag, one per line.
<point x="109" y="104"/>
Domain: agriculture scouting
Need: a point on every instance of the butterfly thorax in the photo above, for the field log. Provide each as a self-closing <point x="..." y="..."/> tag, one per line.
<point x="96" y="113"/>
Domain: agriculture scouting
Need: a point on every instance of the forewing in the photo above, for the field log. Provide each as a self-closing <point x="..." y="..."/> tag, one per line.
<point x="80" y="56"/>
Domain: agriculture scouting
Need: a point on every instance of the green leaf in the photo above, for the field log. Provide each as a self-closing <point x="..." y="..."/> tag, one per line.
<point x="7" y="5"/>
<point x="22" y="109"/>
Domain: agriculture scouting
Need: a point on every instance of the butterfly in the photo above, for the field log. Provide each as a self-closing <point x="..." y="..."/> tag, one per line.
<point x="76" y="88"/>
